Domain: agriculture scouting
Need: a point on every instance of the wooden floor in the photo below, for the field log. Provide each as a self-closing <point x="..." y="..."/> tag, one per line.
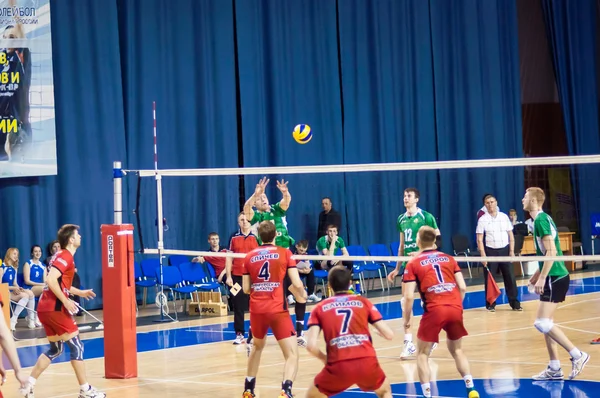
<point x="500" y="345"/>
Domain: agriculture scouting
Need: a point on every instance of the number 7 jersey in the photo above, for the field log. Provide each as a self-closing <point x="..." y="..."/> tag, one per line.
<point x="345" y="320"/>
<point x="433" y="271"/>
<point x="267" y="267"/>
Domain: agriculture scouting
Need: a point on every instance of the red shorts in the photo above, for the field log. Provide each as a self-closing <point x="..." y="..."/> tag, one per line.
<point x="57" y="323"/>
<point x="279" y="322"/>
<point x="447" y="318"/>
<point x="339" y="376"/>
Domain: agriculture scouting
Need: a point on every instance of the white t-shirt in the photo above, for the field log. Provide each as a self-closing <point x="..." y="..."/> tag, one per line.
<point x="495" y="229"/>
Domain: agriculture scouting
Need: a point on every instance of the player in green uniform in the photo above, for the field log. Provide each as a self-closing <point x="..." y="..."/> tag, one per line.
<point x="408" y="225"/>
<point x="551" y="282"/>
<point x="275" y="213"/>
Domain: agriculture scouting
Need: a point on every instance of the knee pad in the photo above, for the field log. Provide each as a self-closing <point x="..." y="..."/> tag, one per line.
<point x="56" y="348"/>
<point x="76" y="348"/>
<point x="544" y="325"/>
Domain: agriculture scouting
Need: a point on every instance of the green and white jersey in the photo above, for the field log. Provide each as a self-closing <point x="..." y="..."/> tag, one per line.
<point x="277" y="216"/>
<point x="543" y="225"/>
<point x="325" y="243"/>
<point x="409" y="226"/>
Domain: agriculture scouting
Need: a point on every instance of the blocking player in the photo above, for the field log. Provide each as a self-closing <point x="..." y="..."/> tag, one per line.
<point x="264" y="273"/>
<point x="442" y="289"/>
<point x="408" y="225"/>
<point x="351" y="358"/>
<point x="551" y="282"/>
<point x="55" y="311"/>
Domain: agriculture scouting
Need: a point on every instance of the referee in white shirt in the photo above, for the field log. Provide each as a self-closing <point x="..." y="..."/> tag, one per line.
<point x="499" y="241"/>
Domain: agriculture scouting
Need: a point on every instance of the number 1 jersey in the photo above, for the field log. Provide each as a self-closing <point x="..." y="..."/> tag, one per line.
<point x="433" y="271"/>
<point x="267" y="266"/>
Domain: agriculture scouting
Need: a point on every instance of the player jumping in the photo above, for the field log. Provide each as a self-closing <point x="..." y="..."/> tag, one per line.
<point x="408" y="226"/>
<point x="55" y="311"/>
<point x="351" y="358"/>
<point x="551" y="282"/>
<point x="265" y="271"/>
<point x="442" y="289"/>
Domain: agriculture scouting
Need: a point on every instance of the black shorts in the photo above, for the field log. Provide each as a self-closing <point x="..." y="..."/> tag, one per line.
<point x="555" y="289"/>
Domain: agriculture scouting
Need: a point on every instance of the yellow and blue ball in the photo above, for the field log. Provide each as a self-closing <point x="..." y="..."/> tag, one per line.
<point x="302" y="133"/>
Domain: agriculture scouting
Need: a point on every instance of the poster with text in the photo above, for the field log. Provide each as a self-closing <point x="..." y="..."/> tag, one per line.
<point x="27" y="124"/>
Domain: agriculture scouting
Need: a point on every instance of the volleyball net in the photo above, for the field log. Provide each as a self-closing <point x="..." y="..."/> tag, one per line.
<point x="176" y="209"/>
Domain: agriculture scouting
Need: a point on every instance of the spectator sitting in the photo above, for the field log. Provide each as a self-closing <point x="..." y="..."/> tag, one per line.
<point x="218" y="263"/>
<point x="23" y="298"/>
<point x="34" y="272"/>
<point x="327" y="245"/>
<point x="305" y="269"/>
<point x="51" y="249"/>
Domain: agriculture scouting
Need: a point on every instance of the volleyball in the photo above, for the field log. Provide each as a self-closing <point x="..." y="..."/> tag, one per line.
<point x="302" y="133"/>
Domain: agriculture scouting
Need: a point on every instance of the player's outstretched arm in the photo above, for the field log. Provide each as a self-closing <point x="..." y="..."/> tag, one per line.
<point x="259" y="190"/>
<point x="311" y="344"/>
<point x="88" y="294"/>
<point x="460" y="282"/>
<point x="384" y="330"/>
<point x="287" y="197"/>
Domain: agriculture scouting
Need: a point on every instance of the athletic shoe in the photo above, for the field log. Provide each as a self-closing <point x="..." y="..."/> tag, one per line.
<point x="91" y="393"/>
<point x="27" y="392"/>
<point x="302" y="342"/>
<point x="579" y="364"/>
<point x="239" y="339"/>
<point x="408" y="350"/>
<point x="595" y="341"/>
<point x="313" y="298"/>
<point x="285" y="394"/>
<point x="31" y="324"/>
<point x="290" y="299"/>
<point x="549" y="374"/>
<point x="13" y="324"/>
<point x="248" y="394"/>
<point x="37" y="322"/>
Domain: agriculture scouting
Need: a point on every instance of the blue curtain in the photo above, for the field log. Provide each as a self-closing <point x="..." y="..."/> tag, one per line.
<point x="289" y="74"/>
<point x="572" y="36"/>
<point x="90" y="135"/>
<point x="183" y="59"/>
<point x="389" y="111"/>
<point x="478" y="108"/>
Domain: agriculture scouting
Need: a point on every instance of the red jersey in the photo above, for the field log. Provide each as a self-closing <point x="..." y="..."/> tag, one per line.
<point x="434" y="273"/>
<point x="218" y="263"/>
<point x="345" y="320"/>
<point x="267" y="266"/>
<point x="62" y="261"/>
<point x="240" y="243"/>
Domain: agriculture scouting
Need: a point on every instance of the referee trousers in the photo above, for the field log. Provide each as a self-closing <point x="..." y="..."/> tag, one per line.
<point x="240" y="306"/>
<point x="510" y="284"/>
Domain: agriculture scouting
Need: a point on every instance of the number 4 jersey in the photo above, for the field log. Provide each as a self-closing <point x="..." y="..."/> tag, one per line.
<point x="433" y="271"/>
<point x="267" y="266"/>
<point x="345" y="320"/>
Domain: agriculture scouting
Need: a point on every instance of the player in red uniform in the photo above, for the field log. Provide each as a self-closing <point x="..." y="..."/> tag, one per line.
<point x="351" y="358"/>
<point x="55" y="311"/>
<point x="265" y="269"/>
<point x="442" y="289"/>
<point x="10" y="350"/>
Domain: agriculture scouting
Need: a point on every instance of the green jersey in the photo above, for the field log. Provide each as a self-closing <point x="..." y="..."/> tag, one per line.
<point x="324" y="243"/>
<point x="277" y="216"/>
<point x="409" y="226"/>
<point x="543" y="225"/>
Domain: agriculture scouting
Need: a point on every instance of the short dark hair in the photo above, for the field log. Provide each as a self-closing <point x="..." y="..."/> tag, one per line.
<point x="487" y="195"/>
<point x="266" y="231"/>
<point x="413" y="190"/>
<point x="33" y="247"/>
<point x="65" y="233"/>
<point x="326" y="197"/>
<point x="339" y="278"/>
<point x="302" y="243"/>
<point x="213" y="234"/>
<point x="333" y="226"/>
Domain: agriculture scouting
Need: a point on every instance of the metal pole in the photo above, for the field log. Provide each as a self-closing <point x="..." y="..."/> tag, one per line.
<point x="118" y="193"/>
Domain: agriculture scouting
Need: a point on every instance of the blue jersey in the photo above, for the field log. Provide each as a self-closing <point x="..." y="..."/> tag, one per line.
<point x="9" y="274"/>
<point x="36" y="273"/>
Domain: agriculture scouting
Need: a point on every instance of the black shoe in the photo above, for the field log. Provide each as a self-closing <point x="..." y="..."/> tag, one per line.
<point x="519" y="308"/>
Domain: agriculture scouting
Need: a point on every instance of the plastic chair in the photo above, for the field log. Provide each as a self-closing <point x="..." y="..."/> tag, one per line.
<point x="176" y="259"/>
<point x="360" y="267"/>
<point x="379" y="249"/>
<point x="195" y="275"/>
<point x="173" y="282"/>
<point x="460" y="243"/>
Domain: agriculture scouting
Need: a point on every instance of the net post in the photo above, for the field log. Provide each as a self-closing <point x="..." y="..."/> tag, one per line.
<point x="118" y="192"/>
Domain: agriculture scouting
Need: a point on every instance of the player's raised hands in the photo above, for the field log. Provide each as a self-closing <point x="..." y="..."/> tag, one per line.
<point x="260" y="187"/>
<point x="282" y="186"/>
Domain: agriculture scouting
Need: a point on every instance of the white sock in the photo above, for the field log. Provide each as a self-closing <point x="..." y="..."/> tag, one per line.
<point x="249" y="378"/>
<point x="408" y="337"/>
<point x="468" y="381"/>
<point x="575" y="353"/>
<point x="19" y="308"/>
<point x="30" y="308"/>
<point x="426" y="389"/>
<point x="554" y="364"/>
<point x="84" y="387"/>
<point x="32" y="381"/>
